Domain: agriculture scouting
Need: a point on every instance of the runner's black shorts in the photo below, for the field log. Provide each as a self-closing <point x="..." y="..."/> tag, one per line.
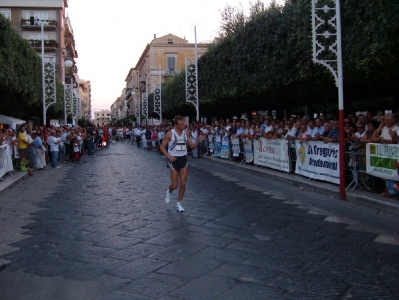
<point x="179" y="163"/>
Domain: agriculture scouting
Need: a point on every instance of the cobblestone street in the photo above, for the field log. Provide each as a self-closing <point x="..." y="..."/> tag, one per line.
<point x="101" y="230"/>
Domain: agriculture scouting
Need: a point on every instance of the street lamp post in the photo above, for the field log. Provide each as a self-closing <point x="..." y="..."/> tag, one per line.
<point x="158" y="96"/>
<point x="48" y="74"/>
<point x="137" y="106"/>
<point x="145" y="106"/>
<point x="192" y="83"/>
<point x="327" y="51"/>
<point x="67" y="64"/>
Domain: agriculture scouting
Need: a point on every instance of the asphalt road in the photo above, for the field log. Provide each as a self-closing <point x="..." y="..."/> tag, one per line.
<point x="101" y="230"/>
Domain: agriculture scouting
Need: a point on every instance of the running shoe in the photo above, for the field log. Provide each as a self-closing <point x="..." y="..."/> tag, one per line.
<point x="179" y="207"/>
<point x="167" y="198"/>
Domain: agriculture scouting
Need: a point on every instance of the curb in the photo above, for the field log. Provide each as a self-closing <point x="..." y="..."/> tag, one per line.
<point x="11" y="180"/>
<point x="358" y="196"/>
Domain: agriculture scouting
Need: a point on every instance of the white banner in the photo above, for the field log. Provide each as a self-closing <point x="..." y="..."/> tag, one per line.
<point x="380" y="159"/>
<point x="249" y="154"/>
<point x="318" y="160"/>
<point x="235" y="146"/>
<point x="5" y="160"/>
<point x="272" y="153"/>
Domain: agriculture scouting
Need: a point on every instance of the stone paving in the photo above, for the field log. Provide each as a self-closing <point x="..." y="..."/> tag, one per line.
<point x="101" y="230"/>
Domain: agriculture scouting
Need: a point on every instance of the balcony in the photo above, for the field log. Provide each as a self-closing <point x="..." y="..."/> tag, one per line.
<point x="35" y="24"/>
<point x="49" y="45"/>
<point x="69" y="72"/>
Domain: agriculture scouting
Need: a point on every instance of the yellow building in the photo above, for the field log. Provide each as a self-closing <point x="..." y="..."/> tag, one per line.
<point x="161" y="58"/>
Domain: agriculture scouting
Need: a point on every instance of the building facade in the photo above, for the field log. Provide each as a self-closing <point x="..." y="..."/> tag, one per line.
<point x="85" y="90"/>
<point x="162" y="58"/>
<point x="102" y="117"/>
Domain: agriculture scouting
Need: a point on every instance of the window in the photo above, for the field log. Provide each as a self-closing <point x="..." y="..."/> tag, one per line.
<point x="170" y="41"/>
<point x="6" y="14"/>
<point x="171" y="64"/>
<point x="103" y="114"/>
<point x="41" y="15"/>
<point x="37" y="36"/>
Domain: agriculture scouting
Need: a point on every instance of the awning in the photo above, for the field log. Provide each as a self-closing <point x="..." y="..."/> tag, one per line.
<point x="11" y="121"/>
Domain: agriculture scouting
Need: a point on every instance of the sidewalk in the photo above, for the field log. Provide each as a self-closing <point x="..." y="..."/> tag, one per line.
<point x="11" y="180"/>
<point x="358" y="196"/>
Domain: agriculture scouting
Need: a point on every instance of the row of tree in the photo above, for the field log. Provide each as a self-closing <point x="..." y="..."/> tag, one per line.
<point x="264" y="61"/>
<point x="21" y="77"/>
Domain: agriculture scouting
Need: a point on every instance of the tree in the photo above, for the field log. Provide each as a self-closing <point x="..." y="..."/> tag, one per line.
<point x="20" y="73"/>
<point x="21" y="77"/>
<point x="264" y="62"/>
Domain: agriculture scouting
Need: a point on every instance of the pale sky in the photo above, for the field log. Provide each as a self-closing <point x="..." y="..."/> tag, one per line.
<point x="110" y="36"/>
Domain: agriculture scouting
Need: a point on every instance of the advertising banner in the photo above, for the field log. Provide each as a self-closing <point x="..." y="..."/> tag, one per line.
<point x="249" y="154"/>
<point x="5" y="160"/>
<point x="272" y="153"/>
<point x="225" y="152"/>
<point x="235" y="146"/>
<point x="380" y="159"/>
<point x="210" y="143"/>
<point x="318" y="160"/>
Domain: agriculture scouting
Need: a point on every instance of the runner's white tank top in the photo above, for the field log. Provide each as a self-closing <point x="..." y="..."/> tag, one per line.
<point x="177" y="144"/>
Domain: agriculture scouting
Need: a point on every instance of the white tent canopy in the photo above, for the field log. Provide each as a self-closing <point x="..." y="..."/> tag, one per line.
<point x="11" y="121"/>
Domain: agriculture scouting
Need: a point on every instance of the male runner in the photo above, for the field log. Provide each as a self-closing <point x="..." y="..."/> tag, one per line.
<point x="176" y="139"/>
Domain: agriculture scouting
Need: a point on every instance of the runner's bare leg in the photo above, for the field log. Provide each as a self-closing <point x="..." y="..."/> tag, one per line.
<point x="183" y="173"/>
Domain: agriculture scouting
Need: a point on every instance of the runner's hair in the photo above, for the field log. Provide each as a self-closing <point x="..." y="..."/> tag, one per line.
<point x="177" y="119"/>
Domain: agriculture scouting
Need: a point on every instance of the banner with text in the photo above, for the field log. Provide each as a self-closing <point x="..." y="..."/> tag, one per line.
<point x="272" y="153"/>
<point x="318" y="160"/>
<point x="380" y="159"/>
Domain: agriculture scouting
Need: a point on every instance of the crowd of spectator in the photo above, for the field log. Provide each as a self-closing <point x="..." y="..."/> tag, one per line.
<point x="358" y="130"/>
<point x="31" y="151"/>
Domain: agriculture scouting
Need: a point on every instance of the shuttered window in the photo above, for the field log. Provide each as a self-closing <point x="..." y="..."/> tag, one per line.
<point x="171" y="64"/>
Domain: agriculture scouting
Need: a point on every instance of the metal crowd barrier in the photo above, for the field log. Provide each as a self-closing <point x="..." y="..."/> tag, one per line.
<point x="355" y="169"/>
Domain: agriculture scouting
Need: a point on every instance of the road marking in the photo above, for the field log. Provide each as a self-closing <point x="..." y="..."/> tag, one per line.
<point x="340" y="219"/>
<point x="387" y="239"/>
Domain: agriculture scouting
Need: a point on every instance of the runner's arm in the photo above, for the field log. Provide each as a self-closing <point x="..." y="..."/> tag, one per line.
<point x="193" y="145"/>
<point x="165" y="141"/>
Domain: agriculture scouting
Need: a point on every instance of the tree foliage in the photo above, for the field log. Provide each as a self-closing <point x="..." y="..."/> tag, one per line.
<point x="264" y="61"/>
<point x="21" y="77"/>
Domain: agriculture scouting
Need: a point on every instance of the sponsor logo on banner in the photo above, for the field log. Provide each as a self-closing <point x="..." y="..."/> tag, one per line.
<point x="272" y="153"/>
<point x="380" y="160"/>
<point x="318" y="160"/>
